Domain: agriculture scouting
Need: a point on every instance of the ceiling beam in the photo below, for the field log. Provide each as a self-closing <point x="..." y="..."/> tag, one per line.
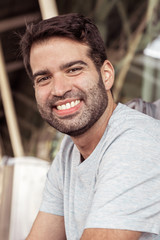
<point x="48" y="8"/>
<point x="14" y="66"/>
<point x="17" y="22"/>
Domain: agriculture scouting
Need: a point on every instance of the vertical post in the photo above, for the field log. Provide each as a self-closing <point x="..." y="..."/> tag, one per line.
<point x="148" y="79"/>
<point x="9" y="109"/>
<point x="6" y="188"/>
<point x="48" y="8"/>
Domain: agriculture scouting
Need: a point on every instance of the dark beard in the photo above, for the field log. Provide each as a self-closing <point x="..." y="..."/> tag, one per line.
<point x="98" y="105"/>
<point x="95" y="115"/>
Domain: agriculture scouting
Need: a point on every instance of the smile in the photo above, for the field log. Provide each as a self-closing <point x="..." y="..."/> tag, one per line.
<point x="68" y="105"/>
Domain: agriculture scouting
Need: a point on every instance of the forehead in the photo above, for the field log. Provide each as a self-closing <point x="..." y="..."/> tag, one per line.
<point x="57" y="50"/>
<point x="58" y="44"/>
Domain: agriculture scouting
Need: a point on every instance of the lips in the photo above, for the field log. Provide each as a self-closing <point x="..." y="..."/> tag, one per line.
<point x="67" y="108"/>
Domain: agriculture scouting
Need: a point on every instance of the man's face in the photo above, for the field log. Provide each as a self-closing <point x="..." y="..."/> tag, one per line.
<point x="69" y="91"/>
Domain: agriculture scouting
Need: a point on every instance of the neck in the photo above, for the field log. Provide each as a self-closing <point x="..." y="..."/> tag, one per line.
<point x="87" y="142"/>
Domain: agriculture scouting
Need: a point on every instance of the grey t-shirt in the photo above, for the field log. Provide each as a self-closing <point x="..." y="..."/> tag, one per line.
<point x="117" y="186"/>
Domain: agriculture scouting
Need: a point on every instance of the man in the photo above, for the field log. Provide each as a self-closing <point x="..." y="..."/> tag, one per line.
<point x="104" y="182"/>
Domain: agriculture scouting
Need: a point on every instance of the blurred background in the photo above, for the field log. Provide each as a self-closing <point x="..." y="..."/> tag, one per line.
<point x="131" y="32"/>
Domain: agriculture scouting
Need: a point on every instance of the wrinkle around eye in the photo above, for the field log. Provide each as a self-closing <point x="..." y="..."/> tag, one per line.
<point x="43" y="80"/>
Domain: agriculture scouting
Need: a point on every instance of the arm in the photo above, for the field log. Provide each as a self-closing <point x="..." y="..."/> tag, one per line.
<point x="109" y="234"/>
<point x="47" y="226"/>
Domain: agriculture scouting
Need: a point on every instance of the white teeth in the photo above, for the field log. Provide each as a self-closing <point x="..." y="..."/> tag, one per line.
<point x="68" y="105"/>
<point x="63" y="107"/>
<point x="72" y="104"/>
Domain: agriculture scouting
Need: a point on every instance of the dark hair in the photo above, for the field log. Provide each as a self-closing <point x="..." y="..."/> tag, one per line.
<point x="74" y="26"/>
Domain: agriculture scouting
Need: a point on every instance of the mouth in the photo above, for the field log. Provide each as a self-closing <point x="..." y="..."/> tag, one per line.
<point x="68" y="107"/>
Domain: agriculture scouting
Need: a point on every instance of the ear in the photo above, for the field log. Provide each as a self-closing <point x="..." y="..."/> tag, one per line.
<point x="107" y="72"/>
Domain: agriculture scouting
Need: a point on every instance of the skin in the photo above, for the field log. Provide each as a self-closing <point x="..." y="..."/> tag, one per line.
<point x="47" y="226"/>
<point x="49" y="83"/>
<point x="109" y="234"/>
<point x="63" y="73"/>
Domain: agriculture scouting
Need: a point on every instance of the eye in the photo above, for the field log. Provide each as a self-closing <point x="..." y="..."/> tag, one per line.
<point x="74" y="71"/>
<point x="42" y="80"/>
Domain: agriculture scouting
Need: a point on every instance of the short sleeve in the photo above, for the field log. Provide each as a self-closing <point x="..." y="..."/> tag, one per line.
<point x="127" y="191"/>
<point x="52" y="201"/>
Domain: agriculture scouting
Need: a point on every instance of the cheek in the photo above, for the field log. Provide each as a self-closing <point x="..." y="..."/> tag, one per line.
<point x="41" y="96"/>
<point x="87" y="81"/>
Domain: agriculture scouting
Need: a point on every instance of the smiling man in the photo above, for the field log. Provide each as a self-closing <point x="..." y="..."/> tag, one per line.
<point x="104" y="182"/>
<point x="69" y="84"/>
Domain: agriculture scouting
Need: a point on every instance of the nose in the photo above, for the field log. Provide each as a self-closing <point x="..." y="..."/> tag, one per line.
<point x="60" y="85"/>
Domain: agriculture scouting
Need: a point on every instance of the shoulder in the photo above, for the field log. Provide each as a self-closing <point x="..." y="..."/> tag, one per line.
<point x="65" y="149"/>
<point x="67" y="144"/>
<point x="127" y="119"/>
<point x="63" y="157"/>
<point x="133" y="139"/>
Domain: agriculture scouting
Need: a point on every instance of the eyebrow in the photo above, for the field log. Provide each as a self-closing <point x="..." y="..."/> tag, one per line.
<point x="40" y="73"/>
<point x="62" y="67"/>
<point x="70" y="64"/>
